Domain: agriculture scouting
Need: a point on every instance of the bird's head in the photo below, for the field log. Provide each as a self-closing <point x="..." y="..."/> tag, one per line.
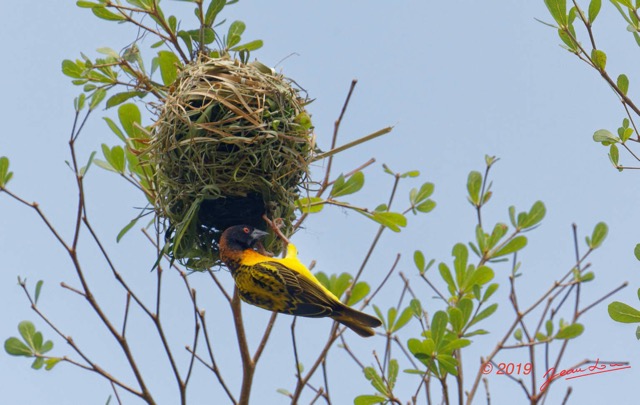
<point x="241" y="237"/>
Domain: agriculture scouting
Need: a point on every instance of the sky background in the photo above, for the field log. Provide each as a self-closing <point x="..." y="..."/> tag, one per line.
<point x="456" y="80"/>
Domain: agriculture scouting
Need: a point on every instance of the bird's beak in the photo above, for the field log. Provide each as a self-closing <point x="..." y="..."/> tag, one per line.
<point x="257" y="234"/>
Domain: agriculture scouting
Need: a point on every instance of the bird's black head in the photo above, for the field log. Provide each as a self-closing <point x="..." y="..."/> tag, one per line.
<point x="242" y="237"/>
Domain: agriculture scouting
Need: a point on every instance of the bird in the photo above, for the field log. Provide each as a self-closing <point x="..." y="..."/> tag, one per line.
<point x="284" y="285"/>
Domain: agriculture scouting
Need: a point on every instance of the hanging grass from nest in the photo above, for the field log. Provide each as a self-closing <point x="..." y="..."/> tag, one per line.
<point x="232" y="142"/>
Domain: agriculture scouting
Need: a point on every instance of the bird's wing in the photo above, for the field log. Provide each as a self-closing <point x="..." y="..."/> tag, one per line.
<point x="309" y="298"/>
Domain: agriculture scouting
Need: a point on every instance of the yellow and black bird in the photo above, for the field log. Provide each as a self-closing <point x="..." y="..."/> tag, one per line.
<point x="284" y="285"/>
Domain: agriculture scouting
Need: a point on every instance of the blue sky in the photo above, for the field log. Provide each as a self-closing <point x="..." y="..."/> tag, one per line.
<point x="456" y="80"/>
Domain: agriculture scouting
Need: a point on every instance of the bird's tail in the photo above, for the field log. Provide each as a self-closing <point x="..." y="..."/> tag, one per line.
<point x="357" y="321"/>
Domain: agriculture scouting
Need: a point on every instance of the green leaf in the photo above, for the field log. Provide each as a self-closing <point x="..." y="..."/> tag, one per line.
<point x="476" y="332"/>
<point x="47" y="346"/>
<point x="426" y="190"/>
<point x="411" y="173"/>
<point x="380" y="316"/>
<point x="236" y="29"/>
<point x="599" y="58"/>
<point x="129" y="114"/>
<point x="474" y="184"/>
<point x="97" y="97"/>
<point x="103" y="13"/>
<point x="599" y="234"/>
<point x="127" y="228"/>
<point x="369" y="400"/>
<point x="403" y="319"/>
<point x="323" y="279"/>
<point x="284" y="392"/>
<point x="489" y="291"/>
<point x="594" y="9"/>
<point x="27" y="331"/>
<point x="310" y="205"/>
<point x="84" y="169"/>
<point x="120" y="98"/>
<point x="621" y="312"/>
<point x="109" y="52"/>
<point x="359" y="291"/>
<point x="15" y="347"/>
<point x="392" y="374"/>
<point x="340" y="283"/>
<point x="512" y="216"/>
<point x="354" y="184"/>
<point x="549" y="327"/>
<point x="456" y="319"/>
<point x="72" y="69"/>
<point x="426" y="206"/>
<point x="623" y="83"/>
<point x="499" y="230"/>
<point x="455" y="345"/>
<point x="5" y="174"/>
<point x="518" y="335"/>
<point x="249" y="46"/>
<point x="78" y="102"/>
<point x="535" y="216"/>
<point x="416" y="307"/>
<point x="86" y="4"/>
<point x="37" y="363"/>
<point x="558" y="10"/>
<point x="186" y="38"/>
<point x="213" y="10"/>
<point x="448" y="363"/>
<point x="104" y="165"/>
<point x="114" y="128"/>
<point x="169" y="66"/>
<point x="568" y="40"/>
<point x="570" y="332"/>
<point x="51" y="362"/>
<point x="376" y="381"/>
<point x="461" y="257"/>
<point x="605" y="137"/>
<point x="38" y="289"/>
<point x="439" y="326"/>
<point x="445" y="273"/>
<point x="614" y="155"/>
<point x="636" y="251"/>
<point x="480" y="276"/>
<point x="466" y="306"/>
<point x="418" y="259"/>
<point x="488" y="311"/>
<point x="512" y="246"/>
<point x="116" y="159"/>
<point x="391" y="316"/>
<point x="391" y="220"/>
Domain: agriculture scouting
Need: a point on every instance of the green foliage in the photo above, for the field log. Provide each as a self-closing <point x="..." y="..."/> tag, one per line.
<point x="436" y="350"/>
<point x="32" y="345"/>
<point x="126" y="70"/>
<point x="419" y="199"/>
<point x="5" y="174"/>
<point x="338" y="285"/>
<point x="569" y="331"/>
<point x="383" y="386"/>
<point x="597" y="236"/>
<point x="624" y="313"/>
<point x="350" y="186"/>
<point x="558" y="10"/>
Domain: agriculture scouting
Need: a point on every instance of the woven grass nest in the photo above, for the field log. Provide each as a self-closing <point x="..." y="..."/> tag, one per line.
<point x="232" y="142"/>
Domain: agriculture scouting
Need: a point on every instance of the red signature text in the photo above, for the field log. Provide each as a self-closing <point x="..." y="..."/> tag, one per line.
<point x="570" y="373"/>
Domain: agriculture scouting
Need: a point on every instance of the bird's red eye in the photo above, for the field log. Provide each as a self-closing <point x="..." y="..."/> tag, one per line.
<point x="245" y="230"/>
